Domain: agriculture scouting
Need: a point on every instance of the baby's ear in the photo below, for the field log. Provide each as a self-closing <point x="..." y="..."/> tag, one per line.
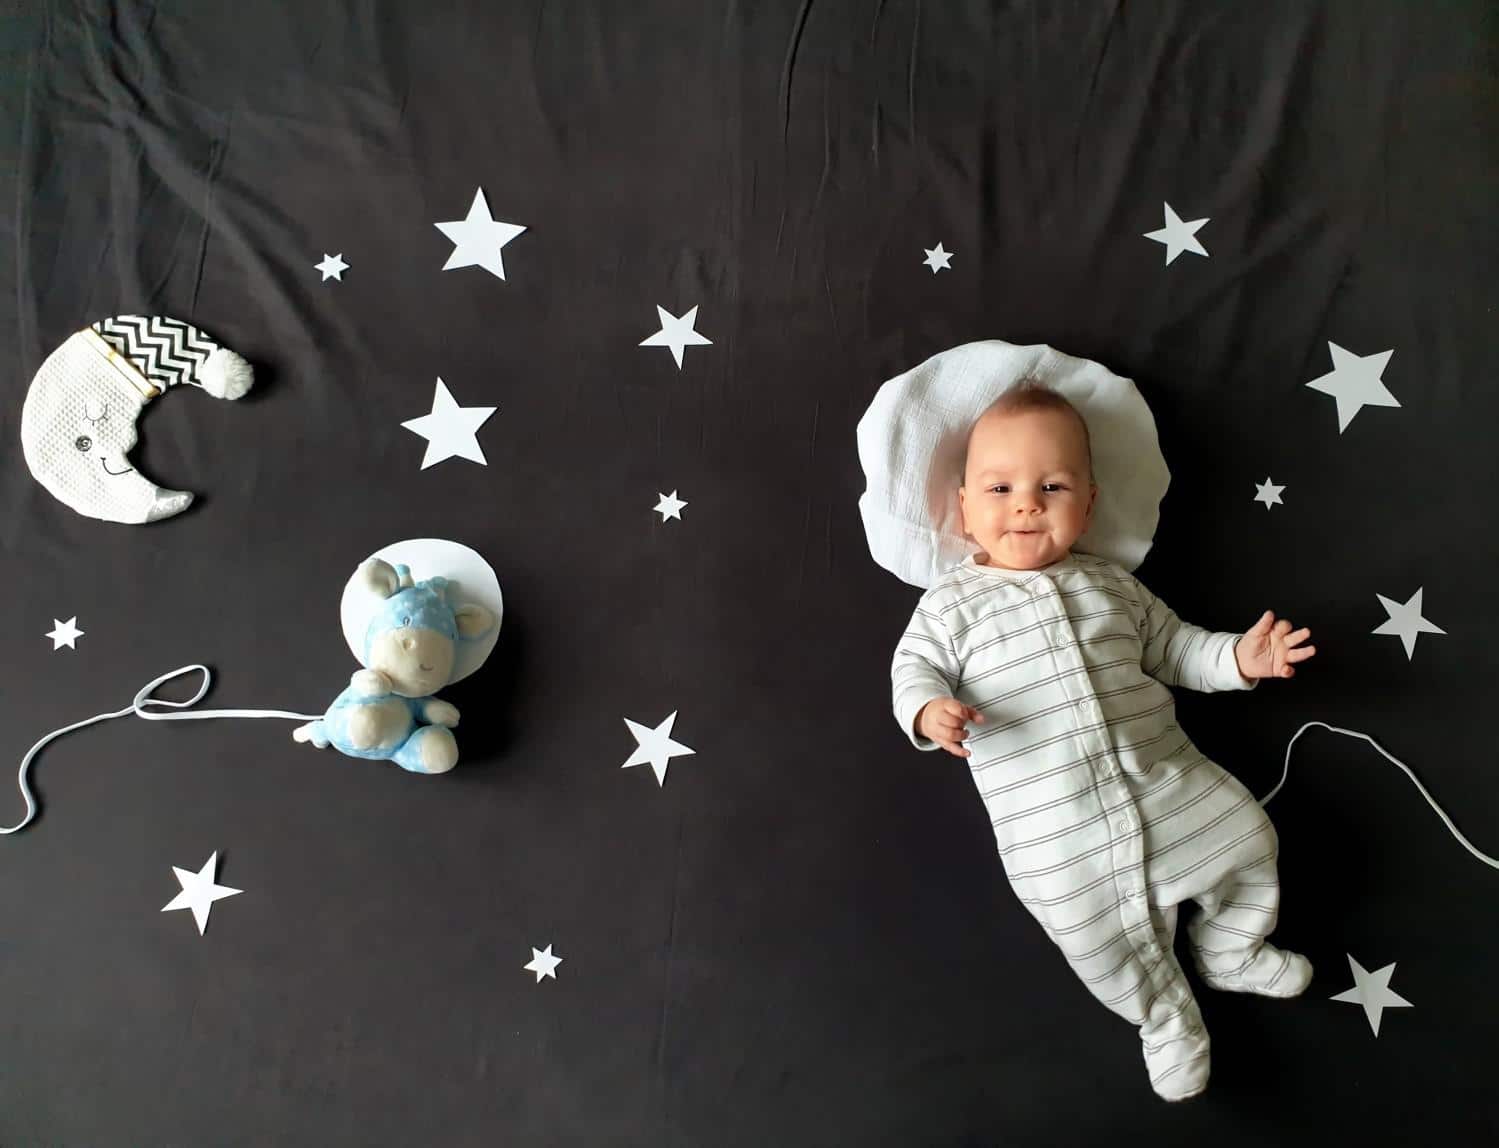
<point x="473" y="620"/>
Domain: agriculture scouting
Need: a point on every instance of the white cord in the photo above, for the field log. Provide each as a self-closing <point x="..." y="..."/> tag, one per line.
<point x="1484" y="857"/>
<point x="139" y="708"/>
<point x="143" y="699"/>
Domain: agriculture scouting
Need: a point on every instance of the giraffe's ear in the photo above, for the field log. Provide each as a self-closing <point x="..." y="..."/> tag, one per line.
<point x="379" y="577"/>
<point x="474" y="620"/>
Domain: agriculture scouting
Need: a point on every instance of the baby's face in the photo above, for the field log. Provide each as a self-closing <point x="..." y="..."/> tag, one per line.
<point x="1027" y="495"/>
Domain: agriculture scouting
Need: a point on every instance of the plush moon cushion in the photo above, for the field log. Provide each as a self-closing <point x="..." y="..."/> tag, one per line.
<point x="913" y="438"/>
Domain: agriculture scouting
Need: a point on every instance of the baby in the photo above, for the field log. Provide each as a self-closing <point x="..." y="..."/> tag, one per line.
<point x="1106" y="815"/>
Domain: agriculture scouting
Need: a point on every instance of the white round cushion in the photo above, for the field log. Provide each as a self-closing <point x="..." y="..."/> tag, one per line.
<point x="472" y="580"/>
<point x="913" y="438"/>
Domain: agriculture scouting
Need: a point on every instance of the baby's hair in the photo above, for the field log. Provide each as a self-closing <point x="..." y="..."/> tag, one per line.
<point x="1031" y="394"/>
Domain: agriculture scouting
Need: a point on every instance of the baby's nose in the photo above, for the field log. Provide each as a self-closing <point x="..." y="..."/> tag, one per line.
<point x="408" y="644"/>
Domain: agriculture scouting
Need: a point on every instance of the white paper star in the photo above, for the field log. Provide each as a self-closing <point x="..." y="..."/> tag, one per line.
<point x="199" y="891"/>
<point x="1178" y="236"/>
<point x="670" y="506"/>
<point x="543" y="964"/>
<point x="450" y="429"/>
<point x="1406" y="620"/>
<point x="655" y="746"/>
<point x="479" y="238"/>
<point x="332" y="267"/>
<point x="1372" y="990"/>
<point x="65" y="633"/>
<point x="676" y="334"/>
<point x="937" y="259"/>
<point x="1355" y="382"/>
<point x="1268" y="493"/>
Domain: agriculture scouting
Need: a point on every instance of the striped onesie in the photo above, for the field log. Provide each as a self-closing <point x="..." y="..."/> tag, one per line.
<point x="1106" y="815"/>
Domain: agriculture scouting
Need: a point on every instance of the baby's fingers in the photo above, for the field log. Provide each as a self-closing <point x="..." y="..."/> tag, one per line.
<point x="961" y="713"/>
<point x="953" y="747"/>
<point x="952" y="729"/>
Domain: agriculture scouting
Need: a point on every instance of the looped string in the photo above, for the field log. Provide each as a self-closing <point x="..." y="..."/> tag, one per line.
<point x="1466" y="844"/>
<point x="140" y="707"/>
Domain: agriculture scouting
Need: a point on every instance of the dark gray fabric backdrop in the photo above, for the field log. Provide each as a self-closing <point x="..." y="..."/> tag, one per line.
<point x="804" y="937"/>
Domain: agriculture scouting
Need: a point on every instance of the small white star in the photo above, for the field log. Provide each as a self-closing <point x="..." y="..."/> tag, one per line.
<point x="676" y="333"/>
<point x="332" y="267"/>
<point x="543" y="964"/>
<point x="1178" y="236"/>
<point x="1355" y="383"/>
<point x="1372" y="990"/>
<point x="199" y="891"/>
<point x="65" y="633"/>
<point x="655" y="746"/>
<point x="937" y="259"/>
<point x="479" y="238"/>
<point x="450" y="429"/>
<point x="1268" y="493"/>
<point x="670" y="506"/>
<point x="1406" y="620"/>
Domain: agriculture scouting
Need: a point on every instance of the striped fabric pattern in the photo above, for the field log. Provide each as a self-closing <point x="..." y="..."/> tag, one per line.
<point x="166" y="351"/>
<point x="1105" y="814"/>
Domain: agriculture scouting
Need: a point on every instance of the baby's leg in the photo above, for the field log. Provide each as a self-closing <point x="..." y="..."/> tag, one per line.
<point x="1229" y="929"/>
<point x="1122" y="952"/>
<point x="1175" y="1041"/>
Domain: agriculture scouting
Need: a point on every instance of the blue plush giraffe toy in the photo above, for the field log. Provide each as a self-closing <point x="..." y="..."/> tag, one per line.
<point x="388" y="712"/>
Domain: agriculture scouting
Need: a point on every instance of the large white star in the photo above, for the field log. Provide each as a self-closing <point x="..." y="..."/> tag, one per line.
<point x="67" y="633"/>
<point x="937" y="259"/>
<point x="332" y="267"/>
<point x="479" y="238"/>
<point x="670" y="506"/>
<point x="1268" y="493"/>
<point x="1178" y="236"/>
<point x="1355" y="382"/>
<point x="676" y="333"/>
<point x="543" y="964"/>
<point x="199" y="891"/>
<point x="1372" y="990"/>
<point x="655" y="746"/>
<point x="450" y="429"/>
<point x="1406" y="620"/>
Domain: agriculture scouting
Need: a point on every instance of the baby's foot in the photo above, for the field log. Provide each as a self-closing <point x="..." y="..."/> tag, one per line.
<point x="1179" y="1069"/>
<point x="1271" y="973"/>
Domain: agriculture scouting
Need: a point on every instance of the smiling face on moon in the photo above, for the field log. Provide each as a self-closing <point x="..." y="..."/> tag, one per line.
<point x="77" y="426"/>
<point x="78" y="421"/>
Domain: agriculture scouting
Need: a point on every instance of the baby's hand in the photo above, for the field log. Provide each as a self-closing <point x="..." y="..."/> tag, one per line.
<point x="1268" y="648"/>
<point x="945" y="721"/>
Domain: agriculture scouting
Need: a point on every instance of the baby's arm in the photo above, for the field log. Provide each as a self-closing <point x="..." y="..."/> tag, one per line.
<point x="1181" y="654"/>
<point x="925" y="667"/>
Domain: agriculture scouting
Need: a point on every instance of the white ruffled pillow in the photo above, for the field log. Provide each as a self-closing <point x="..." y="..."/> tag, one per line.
<point x="913" y="437"/>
